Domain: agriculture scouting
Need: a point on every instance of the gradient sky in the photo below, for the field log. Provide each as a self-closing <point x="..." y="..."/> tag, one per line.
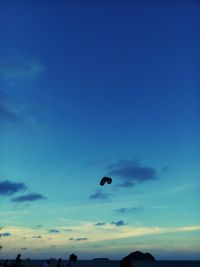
<point x="96" y="88"/>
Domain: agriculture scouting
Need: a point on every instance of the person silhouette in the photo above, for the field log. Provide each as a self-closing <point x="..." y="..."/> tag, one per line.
<point x="72" y="260"/>
<point x="18" y="261"/>
<point x="59" y="263"/>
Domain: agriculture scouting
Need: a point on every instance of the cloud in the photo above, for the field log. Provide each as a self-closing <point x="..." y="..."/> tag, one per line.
<point x="78" y="239"/>
<point x="99" y="195"/>
<point x="129" y="210"/>
<point x="54" y="231"/>
<point x="12" y="112"/>
<point x="39" y="225"/>
<point x="99" y="224"/>
<point x="28" y="198"/>
<point x="7" y="114"/>
<point x="127" y="184"/>
<point x="94" y="163"/>
<point x="17" y="74"/>
<point x="23" y="248"/>
<point x="81" y="239"/>
<point x="131" y="172"/>
<point x="5" y="234"/>
<point x="165" y="169"/>
<point x="17" y="69"/>
<point x="37" y="236"/>
<point x="1" y="247"/>
<point x="8" y="188"/>
<point x="118" y="223"/>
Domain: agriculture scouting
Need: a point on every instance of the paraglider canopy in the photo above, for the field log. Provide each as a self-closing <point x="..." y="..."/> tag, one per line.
<point x="105" y="179"/>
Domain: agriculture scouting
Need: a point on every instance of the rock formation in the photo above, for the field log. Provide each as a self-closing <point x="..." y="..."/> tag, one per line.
<point x="135" y="256"/>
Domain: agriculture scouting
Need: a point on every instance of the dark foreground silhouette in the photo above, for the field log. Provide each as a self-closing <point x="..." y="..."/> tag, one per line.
<point x="18" y="261"/>
<point x="135" y="256"/>
<point x="72" y="260"/>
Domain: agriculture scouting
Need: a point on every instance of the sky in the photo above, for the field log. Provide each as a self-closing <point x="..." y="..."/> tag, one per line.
<point x="91" y="89"/>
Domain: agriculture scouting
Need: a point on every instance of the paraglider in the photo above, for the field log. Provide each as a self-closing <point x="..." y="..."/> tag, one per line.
<point x="104" y="180"/>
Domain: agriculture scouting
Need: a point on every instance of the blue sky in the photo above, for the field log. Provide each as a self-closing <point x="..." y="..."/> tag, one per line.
<point x="90" y="89"/>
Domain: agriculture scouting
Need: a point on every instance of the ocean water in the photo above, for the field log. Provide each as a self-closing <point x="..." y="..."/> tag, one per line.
<point x="112" y="263"/>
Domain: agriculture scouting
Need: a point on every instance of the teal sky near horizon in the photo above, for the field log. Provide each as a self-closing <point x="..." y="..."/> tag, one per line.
<point x="91" y="89"/>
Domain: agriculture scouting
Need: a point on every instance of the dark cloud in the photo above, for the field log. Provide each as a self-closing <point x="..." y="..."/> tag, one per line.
<point x="94" y="163"/>
<point x="37" y="236"/>
<point x="1" y="247"/>
<point x="7" y="110"/>
<point x="78" y="239"/>
<point x="54" y="231"/>
<point x="5" y="234"/>
<point x="165" y="169"/>
<point x="99" y="195"/>
<point x="131" y="172"/>
<point x="23" y="248"/>
<point x="8" y="188"/>
<point x="29" y="197"/>
<point x="99" y="224"/>
<point x="7" y="114"/>
<point x="126" y="184"/>
<point x="129" y="210"/>
<point x="118" y="223"/>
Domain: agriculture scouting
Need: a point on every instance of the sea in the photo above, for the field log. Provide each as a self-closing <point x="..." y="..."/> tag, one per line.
<point x="110" y="263"/>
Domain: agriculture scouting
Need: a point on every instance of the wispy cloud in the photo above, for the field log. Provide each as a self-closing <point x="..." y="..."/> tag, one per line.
<point x="28" y="198"/>
<point x="7" y="114"/>
<point x="99" y="224"/>
<point x="8" y="188"/>
<point x="90" y="234"/>
<point x="131" y="172"/>
<point x="78" y="239"/>
<point x="10" y="110"/>
<point x="17" y="69"/>
<point x="39" y="225"/>
<point x="37" y="236"/>
<point x="99" y="195"/>
<point x="129" y="210"/>
<point x="17" y="74"/>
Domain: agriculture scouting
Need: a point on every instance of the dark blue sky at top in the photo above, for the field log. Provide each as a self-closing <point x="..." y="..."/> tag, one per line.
<point x="148" y="51"/>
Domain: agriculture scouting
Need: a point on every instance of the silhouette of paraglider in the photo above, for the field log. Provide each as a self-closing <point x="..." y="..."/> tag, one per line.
<point x="104" y="180"/>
